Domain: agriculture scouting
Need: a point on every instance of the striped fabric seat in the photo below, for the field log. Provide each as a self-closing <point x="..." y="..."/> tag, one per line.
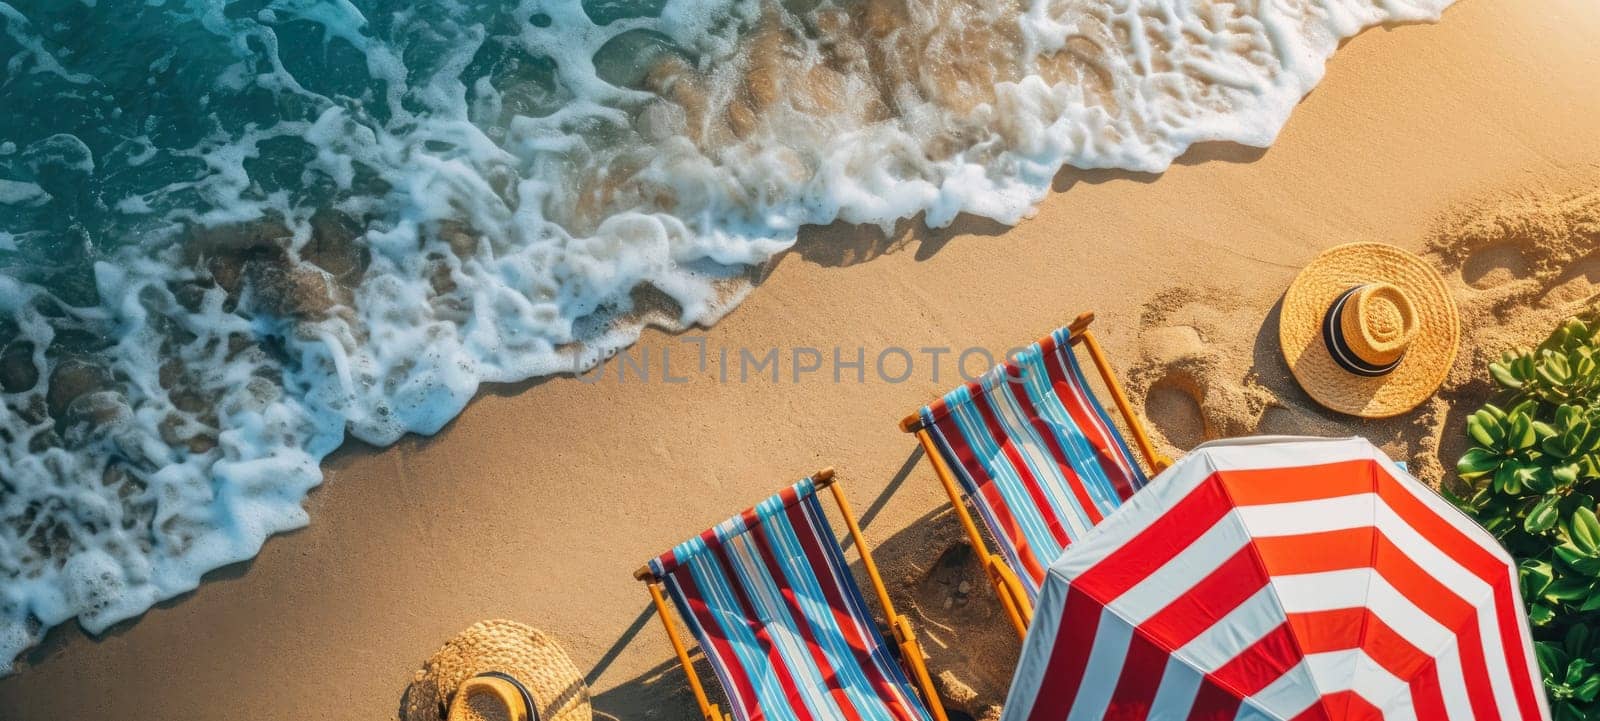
<point x="1036" y="454"/>
<point x="770" y="598"/>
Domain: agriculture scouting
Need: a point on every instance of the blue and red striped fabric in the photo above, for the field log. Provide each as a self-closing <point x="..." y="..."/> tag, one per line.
<point x="1036" y="453"/>
<point x="770" y="598"/>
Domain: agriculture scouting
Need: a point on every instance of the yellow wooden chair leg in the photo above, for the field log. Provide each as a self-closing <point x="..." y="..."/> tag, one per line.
<point x="1009" y="605"/>
<point x="1013" y="599"/>
<point x="708" y="709"/>
<point x="1018" y="593"/>
<point x="1141" y="438"/>
<point x="910" y="651"/>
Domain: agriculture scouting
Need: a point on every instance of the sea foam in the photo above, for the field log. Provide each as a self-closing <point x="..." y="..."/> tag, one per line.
<point x="234" y="232"/>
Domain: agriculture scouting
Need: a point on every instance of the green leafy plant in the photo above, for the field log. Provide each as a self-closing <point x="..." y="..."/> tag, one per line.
<point x="1534" y="471"/>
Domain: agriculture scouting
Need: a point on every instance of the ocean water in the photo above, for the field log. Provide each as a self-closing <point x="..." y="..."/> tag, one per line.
<point x="232" y="233"/>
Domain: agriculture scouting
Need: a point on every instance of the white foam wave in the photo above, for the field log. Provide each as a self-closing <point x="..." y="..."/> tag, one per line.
<point x="480" y="196"/>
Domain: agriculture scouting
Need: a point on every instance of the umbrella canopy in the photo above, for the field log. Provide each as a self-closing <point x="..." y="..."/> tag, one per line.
<point x="1281" y="578"/>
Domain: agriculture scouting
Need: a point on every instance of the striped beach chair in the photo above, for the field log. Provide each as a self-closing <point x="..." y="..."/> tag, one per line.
<point x="770" y="599"/>
<point x="1031" y="449"/>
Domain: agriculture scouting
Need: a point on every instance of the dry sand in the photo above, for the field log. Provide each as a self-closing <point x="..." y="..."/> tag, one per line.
<point x="1473" y="141"/>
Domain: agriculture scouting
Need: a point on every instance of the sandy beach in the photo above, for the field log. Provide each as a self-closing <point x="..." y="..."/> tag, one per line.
<point x="539" y="501"/>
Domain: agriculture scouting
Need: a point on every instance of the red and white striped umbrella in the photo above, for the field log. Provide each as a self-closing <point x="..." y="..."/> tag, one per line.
<point x="1286" y="579"/>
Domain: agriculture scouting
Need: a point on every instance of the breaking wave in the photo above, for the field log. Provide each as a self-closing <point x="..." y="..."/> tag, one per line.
<point x="233" y="232"/>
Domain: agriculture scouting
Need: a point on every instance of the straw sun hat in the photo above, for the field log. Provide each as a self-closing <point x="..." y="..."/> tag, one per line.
<point x="498" y="671"/>
<point x="1369" y="329"/>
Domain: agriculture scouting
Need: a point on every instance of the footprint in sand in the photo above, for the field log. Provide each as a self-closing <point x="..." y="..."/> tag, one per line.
<point x="1173" y="400"/>
<point x="1577" y="285"/>
<point x="1520" y="250"/>
<point x="1173" y="405"/>
<point x="1494" y="266"/>
<point x="1190" y="377"/>
<point x="1518" y="263"/>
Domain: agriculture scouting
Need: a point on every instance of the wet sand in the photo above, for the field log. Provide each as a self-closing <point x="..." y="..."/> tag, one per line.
<point x="539" y="501"/>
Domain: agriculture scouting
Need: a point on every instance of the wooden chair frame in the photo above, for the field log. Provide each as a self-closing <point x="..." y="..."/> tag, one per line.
<point x="904" y="637"/>
<point x="1013" y="597"/>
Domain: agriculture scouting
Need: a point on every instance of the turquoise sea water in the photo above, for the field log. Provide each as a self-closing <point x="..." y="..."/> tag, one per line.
<point x="233" y="232"/>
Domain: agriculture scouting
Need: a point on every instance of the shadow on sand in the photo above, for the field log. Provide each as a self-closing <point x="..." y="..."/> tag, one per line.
<point x="933" y="578"/>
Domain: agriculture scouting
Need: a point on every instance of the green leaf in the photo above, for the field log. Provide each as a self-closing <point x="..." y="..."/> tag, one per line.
<point x="1521" y="435"/>
<point x="1586" y="531"/>
<point x="1530" y="475"/>
<point x="1544" y="515"/>
<point x="1485" y="429"/>
<point x="1503" y="375"/>
<point x="1572" y="589"/>
<point x="1551" y="657"/>
<point x="1578" y="560"/>
<point x="1569" y="553"/>
<point x="1508" y="479"/>
<point x="1537" y="480"/>
<point x="1576" y="642"/>
<point x="1588" y="688"/>
<point x="1591" y="439"/>
<point x="1476" y="463"/>
<point x="1536" y="577"/>
<point x="1583" y="367"/>
<point x="1553" y="370"/>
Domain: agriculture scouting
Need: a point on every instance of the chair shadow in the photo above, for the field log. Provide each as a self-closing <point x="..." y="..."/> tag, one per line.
<point x="661" y="693"/>
<point x="936" y="579"/>
<point x="876" y="507"/>
<point x="611" y="654"/>
<point x="933" y="577"/>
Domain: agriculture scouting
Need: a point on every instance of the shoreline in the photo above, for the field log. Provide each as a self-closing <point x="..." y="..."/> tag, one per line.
<point x="538" y="501"/>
